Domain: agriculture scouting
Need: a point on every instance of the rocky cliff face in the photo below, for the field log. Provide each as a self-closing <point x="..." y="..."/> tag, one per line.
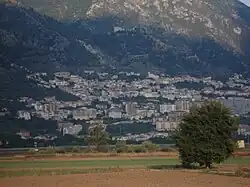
<point x="59" y="9"/>
<point x="218" y="19"/>
<point x="221" y="20"/>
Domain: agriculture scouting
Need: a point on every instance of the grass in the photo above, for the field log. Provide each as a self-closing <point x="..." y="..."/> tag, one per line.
<point x="238" y="160"/>
<point x="237" y="172"/>
<point x="63" y="167"/>
<point x="58" y="167"/>
<point x="86" y="163"/>
<point x="241" y="168"/>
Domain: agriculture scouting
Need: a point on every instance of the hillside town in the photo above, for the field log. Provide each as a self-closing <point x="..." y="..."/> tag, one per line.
<point x="130" y="98"/>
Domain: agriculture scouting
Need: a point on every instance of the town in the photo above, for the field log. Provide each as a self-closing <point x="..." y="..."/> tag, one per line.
<point x="132" y="106"/>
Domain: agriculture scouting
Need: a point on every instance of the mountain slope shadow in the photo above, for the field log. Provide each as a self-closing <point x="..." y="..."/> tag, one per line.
<point x="171" y="52"/>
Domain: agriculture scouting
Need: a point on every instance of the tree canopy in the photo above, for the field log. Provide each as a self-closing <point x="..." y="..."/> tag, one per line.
<point x="97" y="136"/>
<point x="205" y="135"/>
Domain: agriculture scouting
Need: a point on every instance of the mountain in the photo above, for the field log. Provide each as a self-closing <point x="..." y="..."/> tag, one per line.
<point x="59" y="9"/>
<point x="226" y="21"/>
<point x="29" y="45"/>
<point x="196" y="37"/>
<point x="217" y="19"/>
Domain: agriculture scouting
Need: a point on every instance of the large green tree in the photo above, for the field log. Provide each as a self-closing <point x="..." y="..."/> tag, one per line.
<point x="205" y="135"/>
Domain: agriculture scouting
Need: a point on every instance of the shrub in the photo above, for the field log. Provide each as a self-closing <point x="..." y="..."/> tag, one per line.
<point x="61" y="150"/>
<point x="48" y="150"/>
<point x="121" y="147"/>
<point x="167" y="149"/>
<point x="149" y="146"/>
<point x="76" y="150"/>
<point x="103" y="148"/>
<point x="130" y="149"/>
<point x="139" y="149"/>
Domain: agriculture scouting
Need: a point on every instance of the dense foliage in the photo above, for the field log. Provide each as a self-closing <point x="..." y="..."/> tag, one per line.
<point x="97" y="137"/>
<point x="205" y="135"/>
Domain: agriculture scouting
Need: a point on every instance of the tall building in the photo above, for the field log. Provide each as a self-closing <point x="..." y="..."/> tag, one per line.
<point x="50" y="108"/>
<point x="130" y="109"/>
<point x="183" y="105"/>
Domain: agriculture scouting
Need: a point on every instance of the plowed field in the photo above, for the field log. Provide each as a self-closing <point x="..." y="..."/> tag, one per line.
<point x="129" y="178"/>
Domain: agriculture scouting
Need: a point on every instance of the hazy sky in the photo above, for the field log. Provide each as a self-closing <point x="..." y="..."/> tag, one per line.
<point x="247" y="2"/>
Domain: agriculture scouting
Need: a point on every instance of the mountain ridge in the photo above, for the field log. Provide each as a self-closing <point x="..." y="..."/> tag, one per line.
<point x="54" y="45"/>
<point x="219" y="20"/>
<point x="33" y="42"/>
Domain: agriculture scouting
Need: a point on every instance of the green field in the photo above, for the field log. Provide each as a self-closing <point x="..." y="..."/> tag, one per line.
<point x="61" y="167"/>
<point x="238" y="160"/>
<point x="43" y="164"/>
<point x="39" y="164"/>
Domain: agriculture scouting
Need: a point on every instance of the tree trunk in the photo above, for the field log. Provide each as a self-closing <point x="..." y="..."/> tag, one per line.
<point x="208" y="164"/>
<point x="201" y="164"/>
<point x="186" y="165"/>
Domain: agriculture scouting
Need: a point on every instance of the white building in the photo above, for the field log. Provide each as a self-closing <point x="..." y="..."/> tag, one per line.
<point x="23" y="115"/>
<point x="84" y="114"/>
<point x="166" y="108"/>
<point x="164" y="124"/>
<point x="73" y="130"/>
<point x="118" y="29"/>
<point x="153" y="76"/>
<point x="115" y="113"/>
<point x="151" y="94"/>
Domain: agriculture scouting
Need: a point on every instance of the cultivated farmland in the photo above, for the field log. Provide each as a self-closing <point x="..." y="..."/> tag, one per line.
<point x="119" y="170"/>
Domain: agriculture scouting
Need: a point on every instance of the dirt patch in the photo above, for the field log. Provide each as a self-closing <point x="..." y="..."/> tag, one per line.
<point x="131" y="178"/>
<point x="68" y="168"/>
<point x="242" y="154"/>
<point x="229" y="167"/>
<point x="45" y="169"/>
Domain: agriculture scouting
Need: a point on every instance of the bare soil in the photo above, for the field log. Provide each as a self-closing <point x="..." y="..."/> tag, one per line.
<point x="242" y="154"/>
<point x="231" y="167"/>
<point x="130" y="178"/>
